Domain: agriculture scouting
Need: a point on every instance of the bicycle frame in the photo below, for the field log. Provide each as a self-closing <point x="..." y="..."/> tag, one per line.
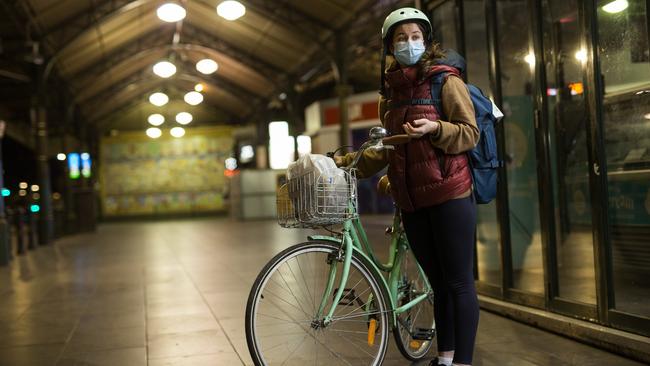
<point x="354" y="239"/>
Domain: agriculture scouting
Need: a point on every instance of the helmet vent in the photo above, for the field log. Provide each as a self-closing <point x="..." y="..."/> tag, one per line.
<point x="402" y="12"/>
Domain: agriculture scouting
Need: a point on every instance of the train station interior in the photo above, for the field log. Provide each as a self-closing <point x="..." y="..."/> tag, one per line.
<point x="144" y="156"/>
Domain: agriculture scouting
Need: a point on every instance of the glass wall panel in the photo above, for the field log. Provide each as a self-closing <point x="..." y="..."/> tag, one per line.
<point x="444" y="25"/>
<point x="478" y="73"/>
<point x="625" y="67"/>
<point x="517" y="77"/>
<point x="568" y="118"/>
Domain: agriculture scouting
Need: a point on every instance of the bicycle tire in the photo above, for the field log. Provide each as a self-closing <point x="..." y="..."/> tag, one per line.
<point x="412" y="284"/>
<point x="262" y="300"/>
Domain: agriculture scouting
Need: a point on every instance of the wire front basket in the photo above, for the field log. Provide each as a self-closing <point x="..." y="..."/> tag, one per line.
<point x="318" y="199"/>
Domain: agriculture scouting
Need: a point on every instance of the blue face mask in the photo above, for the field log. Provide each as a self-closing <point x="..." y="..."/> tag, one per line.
<point x="409" y="53"/>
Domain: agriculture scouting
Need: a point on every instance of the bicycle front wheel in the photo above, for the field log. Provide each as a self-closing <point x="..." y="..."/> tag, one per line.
<point x="282" y="322"/>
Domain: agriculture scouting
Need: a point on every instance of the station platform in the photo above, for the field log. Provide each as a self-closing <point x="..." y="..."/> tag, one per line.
<point x="174" y="293"/>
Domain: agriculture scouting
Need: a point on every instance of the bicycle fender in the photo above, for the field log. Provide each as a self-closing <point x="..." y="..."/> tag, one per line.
<point x="324" y="238"/>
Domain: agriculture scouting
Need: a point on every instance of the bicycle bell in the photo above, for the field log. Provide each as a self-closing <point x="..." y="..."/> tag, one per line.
<point x="377" y="133"/>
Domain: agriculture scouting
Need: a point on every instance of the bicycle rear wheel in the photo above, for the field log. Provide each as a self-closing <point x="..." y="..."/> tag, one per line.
<point x="415" y="328"/>
<point x="282" y="327"/>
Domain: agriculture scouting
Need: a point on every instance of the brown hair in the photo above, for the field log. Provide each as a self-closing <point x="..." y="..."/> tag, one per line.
<point x="430" y="58"/>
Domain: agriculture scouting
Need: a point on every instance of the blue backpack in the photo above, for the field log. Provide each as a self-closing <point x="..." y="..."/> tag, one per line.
<point x="483" y="159"/>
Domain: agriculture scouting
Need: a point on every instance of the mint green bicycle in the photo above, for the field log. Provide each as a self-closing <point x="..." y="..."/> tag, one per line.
<point x="327" y="301"/>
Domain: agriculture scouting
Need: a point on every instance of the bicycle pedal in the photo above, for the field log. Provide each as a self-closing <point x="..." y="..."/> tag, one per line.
<point x="423" y="334"/>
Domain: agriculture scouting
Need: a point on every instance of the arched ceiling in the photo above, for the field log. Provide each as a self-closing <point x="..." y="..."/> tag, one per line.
<point x="100" y="53"/>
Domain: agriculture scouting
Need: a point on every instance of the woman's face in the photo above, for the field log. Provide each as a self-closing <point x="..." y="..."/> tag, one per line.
<point x="406" y="32"/>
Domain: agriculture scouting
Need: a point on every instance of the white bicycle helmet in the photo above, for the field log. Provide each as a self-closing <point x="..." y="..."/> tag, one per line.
<point x="403" y="15"/>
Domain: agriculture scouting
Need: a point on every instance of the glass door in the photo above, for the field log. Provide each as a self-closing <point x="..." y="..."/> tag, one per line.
<point x="570" y="253"/>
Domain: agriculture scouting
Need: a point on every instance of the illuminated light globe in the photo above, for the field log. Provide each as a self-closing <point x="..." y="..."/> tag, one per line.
<point x="171" y="12"/>
<point x="60" y="156"/>
<point x="207" y="66"/>
<point x="193" y="98"/>
<point x="530" y="59"/>
<point x="581" y="56"/>
<point x="154" y="132"/>
<point x="177" y="132"/>
<point x="231" y="164"/>
<point x="231" y="10"/>
<point x="199" y="87"/>
<point x="164" y="69"/>
<point x="183" y="118"/>
<point x="156" y="119"/>
<point x="158" y="99"/>
<point x="616" y="6"/>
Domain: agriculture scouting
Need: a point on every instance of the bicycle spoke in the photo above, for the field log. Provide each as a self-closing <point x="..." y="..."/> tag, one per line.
<point x="288" y="303"/>
<point x="352" y="343"/>
<point x="303" y="280"/>
<point x="360" y="306"/>
<point x="295" y="349"/>
<point x="289" y="287"/>
<point x="286" y="320"/>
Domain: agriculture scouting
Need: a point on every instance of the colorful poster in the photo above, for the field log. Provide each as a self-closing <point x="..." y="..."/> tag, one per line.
<point x="144" y="176"/>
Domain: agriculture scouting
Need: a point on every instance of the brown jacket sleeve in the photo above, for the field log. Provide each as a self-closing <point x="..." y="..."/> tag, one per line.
<point x="372" y="161"/>
<point x="460" y="132"/>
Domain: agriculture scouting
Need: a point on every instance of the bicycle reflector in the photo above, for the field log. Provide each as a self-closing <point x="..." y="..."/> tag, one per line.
<point x="415" y="344"/>
<point x="372" y="329"/>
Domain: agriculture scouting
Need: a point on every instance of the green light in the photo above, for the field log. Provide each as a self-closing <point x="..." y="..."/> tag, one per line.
<point x="5" y="192"/>
<point x="35" y="208"/>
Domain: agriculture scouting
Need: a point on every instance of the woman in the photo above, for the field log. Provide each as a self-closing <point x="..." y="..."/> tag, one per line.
<point x="430" y="176"/>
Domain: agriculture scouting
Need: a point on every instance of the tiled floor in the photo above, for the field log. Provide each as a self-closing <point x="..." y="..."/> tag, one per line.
<point x="174" y="293"/>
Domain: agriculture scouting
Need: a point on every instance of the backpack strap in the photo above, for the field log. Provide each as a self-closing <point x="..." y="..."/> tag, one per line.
<point x="392" y="104"/>
<point x="437" y="81"/>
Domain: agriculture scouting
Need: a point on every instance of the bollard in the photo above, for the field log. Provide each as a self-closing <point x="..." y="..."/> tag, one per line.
<point x="20" y="223"/>
<point x="32" y="230"/>
<point x="5" y="240"/>
<point x="11" y="229"/>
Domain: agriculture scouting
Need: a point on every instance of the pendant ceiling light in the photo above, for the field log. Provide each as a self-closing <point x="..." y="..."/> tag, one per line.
<point x="156" y="119"/>
<point x="193" y="98"/>
<point x="158" y="99"/>
<point x="183" y="118"/>
<point x="207" y="66"/>
<point x="177" y="132"/>
<point x="231" y="10"/>
<point x="164" y="69"/>
<point x="171" y="12"/>
<point x="154" y="132"/>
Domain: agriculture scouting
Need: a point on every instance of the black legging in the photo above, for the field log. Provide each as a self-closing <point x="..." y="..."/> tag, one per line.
<point x="442" y="239"/>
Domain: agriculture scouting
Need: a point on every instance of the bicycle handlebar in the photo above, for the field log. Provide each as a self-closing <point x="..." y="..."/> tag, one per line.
<point x="379" y="144"/>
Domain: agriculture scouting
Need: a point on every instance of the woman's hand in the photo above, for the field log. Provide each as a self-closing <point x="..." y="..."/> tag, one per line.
<point x="421" y="127"/>
<point x="338" y="160"/>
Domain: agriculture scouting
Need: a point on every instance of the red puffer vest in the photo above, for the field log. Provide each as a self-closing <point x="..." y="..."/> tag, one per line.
<point x="420" y="175"/>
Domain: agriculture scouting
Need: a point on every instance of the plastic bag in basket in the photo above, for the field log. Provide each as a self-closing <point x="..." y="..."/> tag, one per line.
<point x="317" y="187"/>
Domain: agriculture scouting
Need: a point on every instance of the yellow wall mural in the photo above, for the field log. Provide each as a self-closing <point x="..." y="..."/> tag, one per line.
<point x="143" y="176"/>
